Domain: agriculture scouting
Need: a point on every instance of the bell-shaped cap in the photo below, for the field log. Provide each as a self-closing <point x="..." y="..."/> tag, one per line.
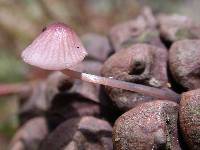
<point x="56" y="48"/>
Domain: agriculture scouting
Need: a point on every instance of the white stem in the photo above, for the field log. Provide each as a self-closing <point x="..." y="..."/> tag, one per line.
<point x="165" y="94"/>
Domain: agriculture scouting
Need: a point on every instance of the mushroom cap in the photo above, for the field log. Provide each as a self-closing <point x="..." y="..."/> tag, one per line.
<point x="56" y="48"/>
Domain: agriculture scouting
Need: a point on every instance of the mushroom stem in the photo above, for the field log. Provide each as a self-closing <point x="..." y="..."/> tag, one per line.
<point x="165" y="94"/>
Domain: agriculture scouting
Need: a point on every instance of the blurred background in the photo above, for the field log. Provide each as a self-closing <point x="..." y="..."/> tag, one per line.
<point x="22" y="20"/>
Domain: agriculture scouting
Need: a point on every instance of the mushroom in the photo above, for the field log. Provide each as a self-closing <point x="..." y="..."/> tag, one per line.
<point x="59" y="48"/>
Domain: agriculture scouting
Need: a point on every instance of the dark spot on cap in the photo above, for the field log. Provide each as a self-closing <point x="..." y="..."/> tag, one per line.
<point x="77" y="46"/>
<point x="44" y="29"/>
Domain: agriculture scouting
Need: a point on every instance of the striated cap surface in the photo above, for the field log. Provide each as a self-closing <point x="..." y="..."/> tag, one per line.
<point x="56" y="48"/>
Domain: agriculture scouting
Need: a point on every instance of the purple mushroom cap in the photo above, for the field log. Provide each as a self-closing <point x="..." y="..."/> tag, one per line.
<point x="58" y="47"/>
